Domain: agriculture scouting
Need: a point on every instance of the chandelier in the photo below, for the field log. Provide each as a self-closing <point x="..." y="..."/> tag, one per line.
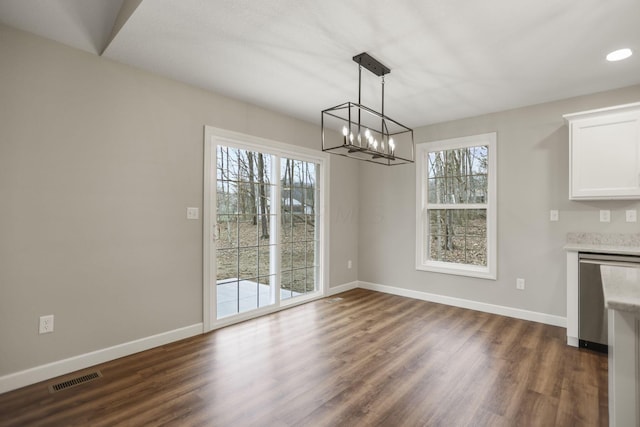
<point x="363" y="133"/>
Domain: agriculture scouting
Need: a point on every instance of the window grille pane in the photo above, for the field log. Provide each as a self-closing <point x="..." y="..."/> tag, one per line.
<point x="227" y="264"/>
<point x="264" y="294"/>
<point x="226" y="197"/>
<point x="264" y="260"/>
<point x="248" y="231"/>
<point x="458" y="176"/>
<point x="286" y="278"/>
<point x="436" y="162"/>
<point x="310" y="280"/>
<point x="286" y="256"/>
<point x="248" y="262"/>
<point x="479" y="159"/>
<point x="437" y="221"/>
<point x="299" y="255"/>
<point x="310" y="225"/>
<point x="476" y="251"/>
<point x="227" y="231"/>
<point x="311" y="253"/>
<point x="477" y="223"/>
<point x="264" y="228"/>
<point x="458" y="236"/>
<point x="298" y="284"/>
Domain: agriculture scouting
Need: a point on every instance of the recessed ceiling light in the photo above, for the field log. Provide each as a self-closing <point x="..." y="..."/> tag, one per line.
<point x="619" y="55"/>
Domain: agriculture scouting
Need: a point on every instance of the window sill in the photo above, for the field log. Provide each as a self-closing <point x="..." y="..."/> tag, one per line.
<point x="457" y="270"/>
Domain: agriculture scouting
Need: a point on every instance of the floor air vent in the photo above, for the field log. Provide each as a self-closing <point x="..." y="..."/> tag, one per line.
<point x="75" y="381"/>
<point x="335" y="299"/>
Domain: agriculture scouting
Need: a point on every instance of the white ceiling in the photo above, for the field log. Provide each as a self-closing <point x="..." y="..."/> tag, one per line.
<point x="448" y="58"/>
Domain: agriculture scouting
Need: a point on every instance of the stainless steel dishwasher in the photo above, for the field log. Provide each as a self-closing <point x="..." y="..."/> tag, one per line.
<point x="592" y="315"/>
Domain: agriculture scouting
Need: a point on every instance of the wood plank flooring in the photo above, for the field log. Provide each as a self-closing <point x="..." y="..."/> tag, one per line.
<point x="367" y="359"/>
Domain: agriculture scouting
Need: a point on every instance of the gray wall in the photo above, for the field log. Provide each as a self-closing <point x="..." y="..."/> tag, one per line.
<point x="98" y="162"/>
<point x="533" y="159"/>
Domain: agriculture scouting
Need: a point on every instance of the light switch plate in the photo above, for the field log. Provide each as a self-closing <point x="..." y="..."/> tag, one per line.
<point x="193" y="213"/>
<point x="554" y="215"/>
<point x="632" y="215"/>
<point x="605" y="216"/>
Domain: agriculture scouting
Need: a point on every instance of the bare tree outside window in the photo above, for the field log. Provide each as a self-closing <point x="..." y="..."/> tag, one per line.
<point x="299" y="234"/>
<point x="457" y="198"/>
<point x="243" y="215"/>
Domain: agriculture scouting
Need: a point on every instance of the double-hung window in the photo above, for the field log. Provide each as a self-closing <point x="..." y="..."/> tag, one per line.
<point x="456" y="206"/>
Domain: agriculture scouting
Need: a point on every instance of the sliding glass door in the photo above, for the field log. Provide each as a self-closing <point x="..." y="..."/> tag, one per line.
<point x="246" y="235"/>
<point x="299" y="234"/>
<point x="266" y="227"/>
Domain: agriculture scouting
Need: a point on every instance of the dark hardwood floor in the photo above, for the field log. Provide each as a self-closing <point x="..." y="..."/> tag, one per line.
<point x="368" y="359"/>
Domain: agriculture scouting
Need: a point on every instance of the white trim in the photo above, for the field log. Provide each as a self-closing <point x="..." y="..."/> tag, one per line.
<point x="572" y="298"/>
<point x="590" y="113"/>
<point x="61" y="367"/>
<point x="288" y="303"/>
<point x="263" y="311"/>
<point x="517" y="313"/>
<point x="423" y="149"/>
<point x="267" y="146"/>
<point x="341" y="288"/>
<point x="208" y="229"/>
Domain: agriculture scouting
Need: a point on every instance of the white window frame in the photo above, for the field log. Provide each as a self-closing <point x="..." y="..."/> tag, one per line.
<point x="422" y="220"/>
<point x="214" y="136"/>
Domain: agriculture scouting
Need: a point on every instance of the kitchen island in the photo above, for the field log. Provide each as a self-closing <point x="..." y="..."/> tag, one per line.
<point x="621" y="287"/>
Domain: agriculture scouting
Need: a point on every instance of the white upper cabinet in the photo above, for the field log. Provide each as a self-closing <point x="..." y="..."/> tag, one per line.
<point x="604" y="153"/>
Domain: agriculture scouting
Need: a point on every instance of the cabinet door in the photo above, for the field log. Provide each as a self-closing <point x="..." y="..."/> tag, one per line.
<point x="605" y="157"/>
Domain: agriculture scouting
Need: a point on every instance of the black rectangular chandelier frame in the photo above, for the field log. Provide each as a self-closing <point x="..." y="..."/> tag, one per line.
<point x="367" y="134"/>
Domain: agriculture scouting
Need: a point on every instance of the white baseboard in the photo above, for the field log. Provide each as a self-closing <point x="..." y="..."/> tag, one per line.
<point x="573" y="341"/>
<point x="61" y="367"/>
<point x="473" y="305"/>
<point x="51" y="370"/>
<point x="341" y="288"/>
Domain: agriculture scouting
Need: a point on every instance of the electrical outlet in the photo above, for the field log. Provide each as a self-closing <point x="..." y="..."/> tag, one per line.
<point x="632" y="215"/>
<point x="46" y="324"/>
<point x="349" y="264"/>
<point x="553" y="215"/>
<point x="605" y="216"/>
<point x="520" y="284"/>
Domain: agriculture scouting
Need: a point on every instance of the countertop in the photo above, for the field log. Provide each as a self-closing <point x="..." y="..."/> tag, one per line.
<point x="605" y="243"/>
<point x="621" y="286"/>
<point x="603" y="249"/>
